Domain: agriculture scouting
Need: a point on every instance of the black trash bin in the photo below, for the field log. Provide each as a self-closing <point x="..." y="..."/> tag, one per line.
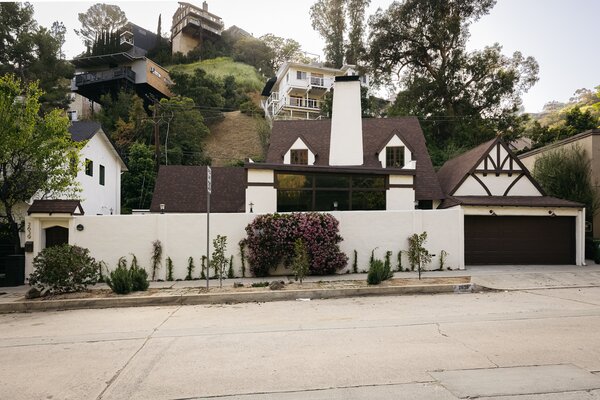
<point x="15" y="270"/>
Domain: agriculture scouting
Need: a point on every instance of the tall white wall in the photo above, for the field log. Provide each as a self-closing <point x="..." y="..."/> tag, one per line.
<point x="184" y="236"/>
<point x="346" y="143"/>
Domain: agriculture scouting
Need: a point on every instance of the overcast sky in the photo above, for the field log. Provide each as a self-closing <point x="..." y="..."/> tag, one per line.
<point x="562" y="35"/>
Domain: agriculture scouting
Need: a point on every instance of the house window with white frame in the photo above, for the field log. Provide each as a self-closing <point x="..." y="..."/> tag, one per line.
<point x="301" y="75"/>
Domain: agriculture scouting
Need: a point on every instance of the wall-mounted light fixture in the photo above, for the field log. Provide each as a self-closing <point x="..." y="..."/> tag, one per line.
<point x="79" y="227"/>
<point x="335" y="206"/>
<point x="551" y="213"/>
<point x="162" y="208"/>
<point x="251" y="207"/>
<point x="492" y="213"/>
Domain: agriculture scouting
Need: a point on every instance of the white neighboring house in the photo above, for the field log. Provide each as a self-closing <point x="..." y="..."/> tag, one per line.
<point x="100" y="174"/>
<point x="297" y="90"/>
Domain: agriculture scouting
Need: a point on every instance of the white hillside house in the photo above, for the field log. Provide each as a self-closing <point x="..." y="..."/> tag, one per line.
<point x="297" y="90"/>
<point x="100" y="173"/>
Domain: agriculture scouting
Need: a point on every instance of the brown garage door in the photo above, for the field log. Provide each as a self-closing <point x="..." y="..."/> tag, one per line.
<point x="519" y="240"/>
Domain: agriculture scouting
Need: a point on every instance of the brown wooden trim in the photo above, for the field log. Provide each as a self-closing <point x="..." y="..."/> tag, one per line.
<point x="498" y="166"/>
<point x="497" y="171"/>
<point x="524" y="170"/>
<point x="482" y="184"/>
<point x="513" y="183"/>
<point x="504" y="161"/>
<point x="272" y="184"/>
<point x="475" y="165"/>
<point x="359" y="170"/>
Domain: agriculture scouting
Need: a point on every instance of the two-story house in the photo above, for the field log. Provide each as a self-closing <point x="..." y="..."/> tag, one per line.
<point x="297" y="90"/>
<point x="101" y="167"/>
<point x="126" y="69"/>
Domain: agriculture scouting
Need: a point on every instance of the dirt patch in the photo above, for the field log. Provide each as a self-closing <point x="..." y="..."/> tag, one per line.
<point x="290" y="285"/>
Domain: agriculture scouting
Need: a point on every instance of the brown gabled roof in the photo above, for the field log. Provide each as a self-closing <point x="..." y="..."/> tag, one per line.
<point x="182" y="189"/>
<point x="316" y="134"/>
<point x="72" y="207"/>
<point x="508" y="201"/>
<point x="454" y="170"/>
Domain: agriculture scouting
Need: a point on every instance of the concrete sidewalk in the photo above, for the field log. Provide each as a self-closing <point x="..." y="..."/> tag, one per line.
<point x="505" y="277"/>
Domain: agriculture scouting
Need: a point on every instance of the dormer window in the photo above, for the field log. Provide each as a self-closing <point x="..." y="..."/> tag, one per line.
<point x="394" y="156"/>
<point x="299" y="157"/>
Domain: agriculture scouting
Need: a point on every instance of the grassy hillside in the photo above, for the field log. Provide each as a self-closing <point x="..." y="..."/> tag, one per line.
<point x="245" y="75"/>
<point x="235" y="138"/>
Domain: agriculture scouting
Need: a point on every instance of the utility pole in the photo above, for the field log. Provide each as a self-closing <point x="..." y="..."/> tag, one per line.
<point x="156" y="136"/>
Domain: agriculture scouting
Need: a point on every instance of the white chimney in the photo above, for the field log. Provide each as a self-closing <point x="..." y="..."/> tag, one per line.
<point x="205" y="6"/>
<point x="346" y="142"/>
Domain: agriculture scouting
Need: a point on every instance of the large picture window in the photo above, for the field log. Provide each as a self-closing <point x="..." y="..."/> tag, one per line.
<point x="328" y="192"/>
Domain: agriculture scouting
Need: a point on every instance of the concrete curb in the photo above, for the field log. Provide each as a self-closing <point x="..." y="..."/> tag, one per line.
<point x="233" y="297"/>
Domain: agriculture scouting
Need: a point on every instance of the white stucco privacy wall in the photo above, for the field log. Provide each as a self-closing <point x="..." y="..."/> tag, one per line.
<point x="184" y="236"/>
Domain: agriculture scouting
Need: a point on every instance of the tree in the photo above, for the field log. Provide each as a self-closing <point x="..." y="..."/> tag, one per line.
<point x="98" y="18"/>
<point x="254" y="52"/>
<point x="371" y="106"/>
<point x="33" y="151"/>
<point x="355" y="49"/>
<point x="327" y="18"/>
<point x="577" y="121"/>
<point x="283" y="50"/>
<point x="184" y="132"/>
<point x="34" y="53"/>
<point x="50" y="68"/>
<point x="115" y="109"/>
<point x="203" y="89"/>
<point x="462" y="97"/>
<point x="138" y="181"/>
<point x="566" y="173"/>
<point x="17" y="28"/>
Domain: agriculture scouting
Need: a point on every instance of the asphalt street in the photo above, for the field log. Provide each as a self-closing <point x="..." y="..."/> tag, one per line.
<point x="542" y="344"/>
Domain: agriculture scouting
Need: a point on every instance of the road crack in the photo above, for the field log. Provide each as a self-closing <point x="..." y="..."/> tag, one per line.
<point x="146" y="340"/>
<point x="439" y="329"/>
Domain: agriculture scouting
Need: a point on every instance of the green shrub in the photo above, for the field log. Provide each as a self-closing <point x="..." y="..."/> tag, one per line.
<point x="300" y="262"/>
<point x="418" y="255"/>
<point x="169" y="269"/>
<point x="120" y="279"/>
<point x="123" y="280"/>
<point x="64" y="269"/>
<point x="139" y="277"/>
<point x="230" y="273"/>
<point x="190" y="269"/>
<point x="378" y="272"/>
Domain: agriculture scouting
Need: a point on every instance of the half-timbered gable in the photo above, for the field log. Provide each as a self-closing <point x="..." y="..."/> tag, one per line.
<point x="497" y="172"/>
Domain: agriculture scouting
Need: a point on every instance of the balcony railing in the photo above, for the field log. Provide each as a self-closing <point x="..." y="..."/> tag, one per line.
<point x="316" y="81"/>
<point x="102" y="76"/>
<point x="303" y="103"/>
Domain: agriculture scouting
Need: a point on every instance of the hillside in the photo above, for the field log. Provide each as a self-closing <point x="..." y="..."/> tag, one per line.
<point x="234" y="139"/>
<point x="245" y="75"/>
